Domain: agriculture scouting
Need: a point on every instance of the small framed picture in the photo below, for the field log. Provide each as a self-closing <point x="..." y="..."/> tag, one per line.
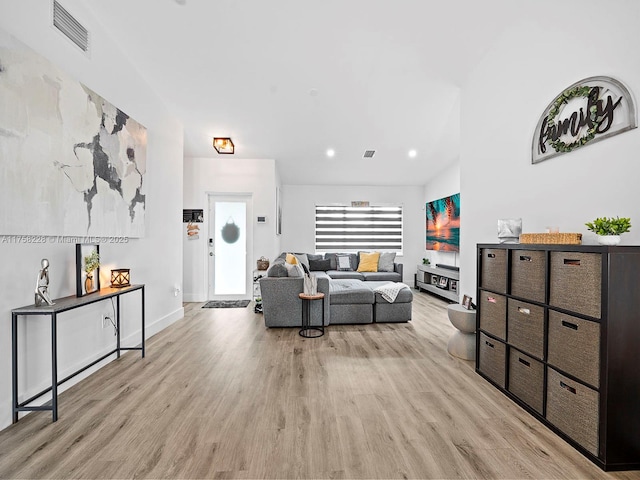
<point x="87" y="269"/>
<point x="466" y="302"/>
<point x="443" y="282"/>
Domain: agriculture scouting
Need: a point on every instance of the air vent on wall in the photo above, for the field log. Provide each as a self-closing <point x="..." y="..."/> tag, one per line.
<point x="71" y="28"/>
<point x="369" y="153"/>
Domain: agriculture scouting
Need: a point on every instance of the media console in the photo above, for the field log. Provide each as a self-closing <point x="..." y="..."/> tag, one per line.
<point x="439" y="281"/>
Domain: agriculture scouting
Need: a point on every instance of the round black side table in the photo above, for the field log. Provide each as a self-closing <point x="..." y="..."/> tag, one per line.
<point x="308" y="330"/>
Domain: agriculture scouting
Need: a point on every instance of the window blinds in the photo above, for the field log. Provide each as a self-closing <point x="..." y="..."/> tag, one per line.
<point x="358" y="228"/>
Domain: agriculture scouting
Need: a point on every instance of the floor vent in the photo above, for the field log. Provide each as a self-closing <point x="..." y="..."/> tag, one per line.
<point x="369" y="153"/>
<point x="70" y="27"/>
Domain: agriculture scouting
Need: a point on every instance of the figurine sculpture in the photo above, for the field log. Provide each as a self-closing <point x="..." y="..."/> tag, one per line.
<point x="42" y="285"/>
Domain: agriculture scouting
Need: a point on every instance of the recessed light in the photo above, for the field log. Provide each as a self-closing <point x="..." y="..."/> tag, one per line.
<point x="412" y="154"/>
<point x="331" y="153"/>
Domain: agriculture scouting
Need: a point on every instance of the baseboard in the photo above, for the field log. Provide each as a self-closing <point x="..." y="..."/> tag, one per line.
<point x="132" y="339"/>
<point x="193" y="297"/>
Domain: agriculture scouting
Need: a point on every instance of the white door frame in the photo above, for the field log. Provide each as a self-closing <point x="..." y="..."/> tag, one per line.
<point x="221" y="196"/>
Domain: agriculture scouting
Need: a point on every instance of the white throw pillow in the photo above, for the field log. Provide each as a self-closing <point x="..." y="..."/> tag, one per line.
<point x="294" y="270"/>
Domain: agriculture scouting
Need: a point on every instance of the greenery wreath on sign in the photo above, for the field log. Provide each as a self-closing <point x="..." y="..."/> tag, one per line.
<point x="563" y="99"/>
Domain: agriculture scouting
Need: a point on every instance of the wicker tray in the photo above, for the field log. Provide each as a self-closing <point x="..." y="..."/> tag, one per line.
<point x="552" y="238"/>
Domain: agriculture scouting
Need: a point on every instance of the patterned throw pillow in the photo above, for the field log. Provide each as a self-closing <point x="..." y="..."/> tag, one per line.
<point x="344" y="263"/>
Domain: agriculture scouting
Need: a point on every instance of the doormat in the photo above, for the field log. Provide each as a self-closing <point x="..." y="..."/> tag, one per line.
<point x="226" y="304"/>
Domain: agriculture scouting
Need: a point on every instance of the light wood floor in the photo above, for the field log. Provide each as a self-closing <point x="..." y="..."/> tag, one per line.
<point x="221" y="396"/>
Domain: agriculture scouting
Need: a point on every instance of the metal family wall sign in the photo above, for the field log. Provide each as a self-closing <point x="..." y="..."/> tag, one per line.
<point x="588" y="111"/>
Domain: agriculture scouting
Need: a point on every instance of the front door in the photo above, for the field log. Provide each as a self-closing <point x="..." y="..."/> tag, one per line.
<point x="229" y="236"/>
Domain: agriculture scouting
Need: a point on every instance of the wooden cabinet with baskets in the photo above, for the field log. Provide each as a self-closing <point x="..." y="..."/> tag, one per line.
<point x="558" y="331"/>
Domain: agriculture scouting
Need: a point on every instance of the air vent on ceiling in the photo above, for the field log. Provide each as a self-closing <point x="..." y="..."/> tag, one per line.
<point x="369" y="153"/>
<point x="71" y="28"/>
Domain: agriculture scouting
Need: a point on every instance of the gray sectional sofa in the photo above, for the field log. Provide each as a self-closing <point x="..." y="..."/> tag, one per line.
<point x="349" y="295"/>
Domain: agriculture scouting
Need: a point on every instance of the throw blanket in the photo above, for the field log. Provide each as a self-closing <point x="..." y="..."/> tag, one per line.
<point x="389" y="291"/>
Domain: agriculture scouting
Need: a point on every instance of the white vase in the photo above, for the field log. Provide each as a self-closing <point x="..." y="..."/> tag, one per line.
<point x="609" y="239"/>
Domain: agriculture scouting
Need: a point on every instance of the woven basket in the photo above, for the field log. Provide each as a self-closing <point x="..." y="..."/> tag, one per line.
<point x="263" y="263"/>
<point x="552" y="238"/>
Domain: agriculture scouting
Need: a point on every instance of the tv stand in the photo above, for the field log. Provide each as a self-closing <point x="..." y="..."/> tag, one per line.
<point x="439" y="281"/>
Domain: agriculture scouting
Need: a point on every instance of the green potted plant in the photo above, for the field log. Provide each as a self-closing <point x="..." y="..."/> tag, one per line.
<point x="609" y="229"/>
<point x="91" y="262"/>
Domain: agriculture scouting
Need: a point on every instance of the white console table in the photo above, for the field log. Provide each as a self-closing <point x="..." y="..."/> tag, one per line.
<point x="429" y="279"/>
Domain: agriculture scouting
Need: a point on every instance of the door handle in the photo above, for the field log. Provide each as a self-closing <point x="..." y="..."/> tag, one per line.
<point x="211" y="254"/>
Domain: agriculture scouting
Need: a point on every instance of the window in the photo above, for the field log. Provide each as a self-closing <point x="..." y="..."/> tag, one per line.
<point x="344" y="228"/>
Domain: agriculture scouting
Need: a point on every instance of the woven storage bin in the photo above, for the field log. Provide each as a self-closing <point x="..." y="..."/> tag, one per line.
<point x="262" y="263"/>
<point x="494" y="270"/>
<point x="573" y="408"/>
<point x="528" y="274"/>
<point x="574" y="346"/>
<point x="552" y="238"/>
<point x="491" y="359"/>
<point x="526" y="379"/>
<point x="575" y="282"/>
<point x="525" y="325"/>
<point x="493" y="314"/>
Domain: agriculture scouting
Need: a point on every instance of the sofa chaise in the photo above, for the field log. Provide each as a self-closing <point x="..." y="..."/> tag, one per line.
<point x="350" y="296"/>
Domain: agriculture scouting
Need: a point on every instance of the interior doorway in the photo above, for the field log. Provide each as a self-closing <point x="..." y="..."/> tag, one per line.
<point x="229" y="241"/>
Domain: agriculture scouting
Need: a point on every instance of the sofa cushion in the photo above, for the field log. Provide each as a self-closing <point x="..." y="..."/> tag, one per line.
<point x="368" y="261"/>
<point x="277" y="269"/>
<point x="385" y="263"/>
<point x="337" y="274"/>
<point x="380" y="276"/>
<point x="319" y="265"/>
<point x="348" y="291"/>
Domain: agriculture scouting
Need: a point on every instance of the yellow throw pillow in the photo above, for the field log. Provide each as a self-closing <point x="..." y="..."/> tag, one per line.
<point x="291" y="259"/>
<point x="368" y="262"/>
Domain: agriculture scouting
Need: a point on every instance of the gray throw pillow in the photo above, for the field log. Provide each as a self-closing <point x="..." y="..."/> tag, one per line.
<point x="277" y="269"/>
<point x="332" y="260"/>
<point x="314" y="256"/>
<point x="302" y="257"/>
<point x="385" y="263"/>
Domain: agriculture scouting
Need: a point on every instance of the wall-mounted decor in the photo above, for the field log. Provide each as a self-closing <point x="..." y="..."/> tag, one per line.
<point x="87" y="269"/>
<point x="588" y="111"/>
<point x="193" y="231"/>
<point x="193" y="215"/>
<point x="73" y="164"/>
<point x="278" y="213"/>
<point x="443" y="224"/>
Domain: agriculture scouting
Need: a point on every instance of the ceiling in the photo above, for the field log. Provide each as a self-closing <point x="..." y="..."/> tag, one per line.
<point x="289" y="79"/>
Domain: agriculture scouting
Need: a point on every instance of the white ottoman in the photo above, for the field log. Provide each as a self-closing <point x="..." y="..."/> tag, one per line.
<point x="462" y="343"/>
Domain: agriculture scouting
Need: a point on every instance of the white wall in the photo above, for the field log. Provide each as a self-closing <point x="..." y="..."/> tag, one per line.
<point x="154" y="260"/>
<point x="445" y="183"/>
<point x="298" y="216"/>
<point x="227" y="175"/>
<point x="552" y="45"/>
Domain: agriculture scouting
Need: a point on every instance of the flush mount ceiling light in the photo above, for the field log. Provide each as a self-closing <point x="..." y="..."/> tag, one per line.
<point x="331" y="153"/>
<point x="223" y="145"/>
<point x="412" y="154"/>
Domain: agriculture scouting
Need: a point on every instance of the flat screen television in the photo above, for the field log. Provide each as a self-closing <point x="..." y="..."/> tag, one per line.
<point x="443" y="224"/>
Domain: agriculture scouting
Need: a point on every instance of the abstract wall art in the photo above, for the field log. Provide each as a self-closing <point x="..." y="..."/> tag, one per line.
<point x="71" y="163"/>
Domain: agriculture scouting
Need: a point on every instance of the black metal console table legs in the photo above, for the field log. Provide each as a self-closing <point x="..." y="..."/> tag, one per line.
<point x="63" y="305"/>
